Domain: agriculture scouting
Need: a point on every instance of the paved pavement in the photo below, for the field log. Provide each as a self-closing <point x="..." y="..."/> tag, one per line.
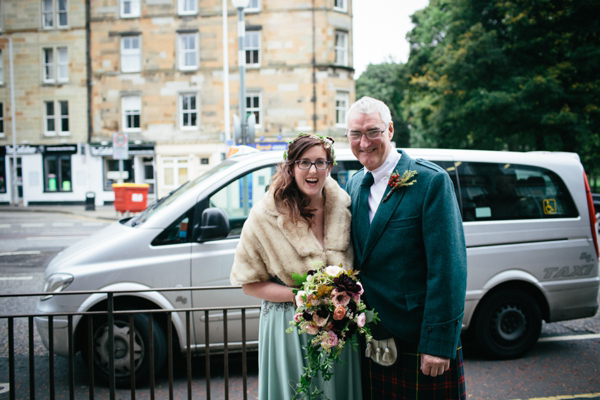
<point x="100" y="212"/>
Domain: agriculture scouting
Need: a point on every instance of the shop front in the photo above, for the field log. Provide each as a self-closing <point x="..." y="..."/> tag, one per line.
<point x="138" y="168"/>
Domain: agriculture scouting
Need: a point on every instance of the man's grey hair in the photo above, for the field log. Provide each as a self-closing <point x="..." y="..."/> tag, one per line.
<point x="368" y="105"/>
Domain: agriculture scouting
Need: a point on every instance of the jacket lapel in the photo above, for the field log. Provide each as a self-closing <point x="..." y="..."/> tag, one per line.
<point x="385" y="210"/>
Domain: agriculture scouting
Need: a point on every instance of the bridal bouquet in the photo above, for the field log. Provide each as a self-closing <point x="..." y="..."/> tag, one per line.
<point x="328" y="306"/>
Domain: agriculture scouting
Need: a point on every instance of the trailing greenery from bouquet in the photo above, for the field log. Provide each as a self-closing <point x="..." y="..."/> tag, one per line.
<point x="328" y="306"/>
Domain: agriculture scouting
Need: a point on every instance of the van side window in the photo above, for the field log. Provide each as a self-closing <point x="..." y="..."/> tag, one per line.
<point x="493" y="191"/>
<point x="237" y="197"/>
<point x="178" y="232"/>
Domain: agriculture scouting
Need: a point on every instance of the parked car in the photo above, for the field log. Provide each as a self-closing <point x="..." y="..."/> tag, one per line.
<point x="530" y="230"/>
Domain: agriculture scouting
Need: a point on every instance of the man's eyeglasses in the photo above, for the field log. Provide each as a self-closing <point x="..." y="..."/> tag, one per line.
<point x="355" y="136"/>
<point x="305" y="164"/>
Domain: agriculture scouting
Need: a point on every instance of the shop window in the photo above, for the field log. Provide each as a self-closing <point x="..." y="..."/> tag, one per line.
<point x="175" y="172"/>
<point x="111" y="172"/>
<point x="2" y="174"/>
<point x="341" y="48"/>
<point x="130" y="8"/>
<point x="54" y="14"/>
<point x="148" y="163"/>
<point x="131" y="54"/>
<point x="2" y="134"/>
<point x="252" y="46"/>
<point x="57" y="173"/>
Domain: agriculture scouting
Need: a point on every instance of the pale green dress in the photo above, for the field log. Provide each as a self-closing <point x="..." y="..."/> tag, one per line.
<point x="281" y="358"/>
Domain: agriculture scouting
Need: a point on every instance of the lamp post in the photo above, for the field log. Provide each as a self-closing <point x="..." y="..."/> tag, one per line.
<point x="240" y="5"/>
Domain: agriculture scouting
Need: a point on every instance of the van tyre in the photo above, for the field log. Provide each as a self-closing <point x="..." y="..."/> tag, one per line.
<point x="141" y="326"/>
<point x="508" y="324"/>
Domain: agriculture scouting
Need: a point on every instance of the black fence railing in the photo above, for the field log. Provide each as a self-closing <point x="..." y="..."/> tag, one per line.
<point x="112" y="339"/>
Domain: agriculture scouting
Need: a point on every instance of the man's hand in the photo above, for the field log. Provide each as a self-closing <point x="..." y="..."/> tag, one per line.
<point x="434" y="366"/>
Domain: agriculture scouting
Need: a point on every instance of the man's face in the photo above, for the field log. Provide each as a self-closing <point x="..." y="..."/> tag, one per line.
<point x="371" y="153"/>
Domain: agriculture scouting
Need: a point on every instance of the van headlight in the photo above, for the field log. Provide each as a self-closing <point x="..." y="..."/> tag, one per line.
<point x="56" y="283"/>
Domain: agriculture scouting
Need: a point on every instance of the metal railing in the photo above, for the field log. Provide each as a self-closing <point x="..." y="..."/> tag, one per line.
<point x="90" y="317"/>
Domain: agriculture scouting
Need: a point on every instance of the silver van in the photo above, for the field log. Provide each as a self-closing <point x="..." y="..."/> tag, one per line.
<point x="530" y="230"/>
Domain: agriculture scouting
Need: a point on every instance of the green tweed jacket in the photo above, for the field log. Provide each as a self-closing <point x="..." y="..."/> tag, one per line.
<point x="413" y="264"/>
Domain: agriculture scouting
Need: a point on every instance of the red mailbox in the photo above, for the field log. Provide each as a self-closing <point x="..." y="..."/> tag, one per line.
<point x="132" y="197"/>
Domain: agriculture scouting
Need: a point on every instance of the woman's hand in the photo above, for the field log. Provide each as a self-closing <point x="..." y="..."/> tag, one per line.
<point x="269" y="291"/>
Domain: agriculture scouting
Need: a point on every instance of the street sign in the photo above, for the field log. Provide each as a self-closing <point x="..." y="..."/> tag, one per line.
<point x="120" y="146"/>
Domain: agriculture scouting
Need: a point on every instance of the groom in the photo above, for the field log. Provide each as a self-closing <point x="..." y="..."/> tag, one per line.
<point x="410" y="249"/>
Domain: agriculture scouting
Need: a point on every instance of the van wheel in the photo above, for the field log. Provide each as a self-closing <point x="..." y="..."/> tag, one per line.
<point x="508" y="324"/>
<point x="122" y="350"/>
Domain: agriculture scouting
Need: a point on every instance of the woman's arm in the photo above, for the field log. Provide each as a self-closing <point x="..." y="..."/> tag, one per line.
<point x="269" y="291"/>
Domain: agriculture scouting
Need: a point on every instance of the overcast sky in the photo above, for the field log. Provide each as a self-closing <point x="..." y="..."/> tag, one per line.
<point x="380" y="28"/>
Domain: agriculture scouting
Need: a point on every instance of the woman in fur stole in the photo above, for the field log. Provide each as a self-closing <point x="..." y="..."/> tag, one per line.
<point x="302" y="219"/>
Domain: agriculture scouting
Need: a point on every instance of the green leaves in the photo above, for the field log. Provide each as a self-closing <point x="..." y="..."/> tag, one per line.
<point x="505" y="75"/>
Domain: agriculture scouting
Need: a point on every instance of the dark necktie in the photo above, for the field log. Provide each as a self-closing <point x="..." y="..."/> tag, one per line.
<point x="363" y="223"/>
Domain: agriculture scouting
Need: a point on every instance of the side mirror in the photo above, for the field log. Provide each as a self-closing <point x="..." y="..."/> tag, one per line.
<point x="214" y="225"/>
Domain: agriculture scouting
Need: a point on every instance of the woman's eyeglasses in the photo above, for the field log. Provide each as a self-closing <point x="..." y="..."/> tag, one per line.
<point x="305" y="164"/>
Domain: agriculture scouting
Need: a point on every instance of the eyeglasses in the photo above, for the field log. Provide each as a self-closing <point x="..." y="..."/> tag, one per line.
<point x="319" y="164"/>
<point x="356" y="136"/>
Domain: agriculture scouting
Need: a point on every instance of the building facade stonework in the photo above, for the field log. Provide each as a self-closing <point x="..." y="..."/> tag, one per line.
<point x="155" y="71"/>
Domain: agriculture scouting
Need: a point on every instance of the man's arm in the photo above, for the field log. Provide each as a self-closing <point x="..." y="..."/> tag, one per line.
<point x="446" y="256"/>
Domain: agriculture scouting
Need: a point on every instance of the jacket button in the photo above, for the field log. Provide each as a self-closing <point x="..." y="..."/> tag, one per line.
<point x="429" y="329"/>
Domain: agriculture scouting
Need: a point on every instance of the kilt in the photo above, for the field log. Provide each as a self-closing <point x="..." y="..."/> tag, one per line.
<point x="404" y="379"/>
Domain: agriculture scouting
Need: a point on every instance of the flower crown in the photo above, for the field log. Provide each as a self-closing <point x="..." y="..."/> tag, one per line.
<point x="326" y="140"/>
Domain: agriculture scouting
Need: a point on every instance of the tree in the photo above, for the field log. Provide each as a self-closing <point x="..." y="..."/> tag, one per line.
<point x="499" y="74"/>
<point x="386" y="82"/>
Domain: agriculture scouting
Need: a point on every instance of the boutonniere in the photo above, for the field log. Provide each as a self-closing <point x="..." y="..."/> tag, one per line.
<point x="396" y="181"/>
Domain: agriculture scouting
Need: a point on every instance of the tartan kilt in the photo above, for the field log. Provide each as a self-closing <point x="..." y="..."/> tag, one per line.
<point x="404" y="379"/>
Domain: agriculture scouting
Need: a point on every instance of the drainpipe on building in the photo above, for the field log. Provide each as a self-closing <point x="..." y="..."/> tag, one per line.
<point x="225" y="73"/>
<point x="314" y="70"/>
<point x="88" y="62"/>
<point x="15" y="189"/>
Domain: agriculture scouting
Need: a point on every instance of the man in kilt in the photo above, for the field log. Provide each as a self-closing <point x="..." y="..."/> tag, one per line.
<point x="410" y="249"/>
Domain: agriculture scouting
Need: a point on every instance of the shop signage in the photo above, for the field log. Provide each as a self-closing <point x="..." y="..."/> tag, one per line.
<point x="269" y="146"/>
<point x="25" y="149"/>
<point x="135" y="150"/>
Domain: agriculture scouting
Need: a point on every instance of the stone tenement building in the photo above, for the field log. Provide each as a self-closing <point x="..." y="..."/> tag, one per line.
<point x="50" y="100"/>
<point x="153" y="69"/>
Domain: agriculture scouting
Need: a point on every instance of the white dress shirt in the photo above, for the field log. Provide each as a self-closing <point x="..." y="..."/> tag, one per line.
<point x="381" y="177"/>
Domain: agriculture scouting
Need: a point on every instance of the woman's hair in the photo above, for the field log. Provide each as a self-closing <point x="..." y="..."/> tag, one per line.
<point x="289" y="200"/>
